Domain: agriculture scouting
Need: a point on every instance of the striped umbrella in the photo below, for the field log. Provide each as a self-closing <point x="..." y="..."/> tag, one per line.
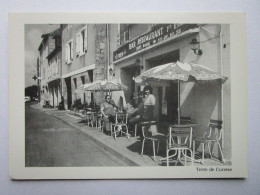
<point x="179" y="72"/>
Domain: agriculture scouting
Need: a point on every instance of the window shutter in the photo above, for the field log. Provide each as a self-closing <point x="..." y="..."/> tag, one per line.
<point x="86" y="39"/>
<point x="67" y="53"/>
<point x="71" y="50"/>
<point x="77" y="43"/>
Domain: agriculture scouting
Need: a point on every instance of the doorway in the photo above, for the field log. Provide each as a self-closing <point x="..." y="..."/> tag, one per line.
<point x="167" y="97"/>
<point x="69" y="94"/>
<point x="127" y="75"/>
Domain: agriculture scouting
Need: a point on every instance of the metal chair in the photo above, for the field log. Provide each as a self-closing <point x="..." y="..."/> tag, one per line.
<point x="216" y="137"/>
<point x="96" y="116"/>
<point x="179" y="141"/>
<point x="88" y="115"/>
<point x="149" y="132"/>
<point x="120" y="122"/>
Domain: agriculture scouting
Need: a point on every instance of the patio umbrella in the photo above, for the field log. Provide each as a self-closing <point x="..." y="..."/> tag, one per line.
<point x="80" y="90"/>
<point x="178" y="72"/>
<point x="105" y="85"/>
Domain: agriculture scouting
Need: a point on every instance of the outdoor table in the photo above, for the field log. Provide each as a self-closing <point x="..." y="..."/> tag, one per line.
<point x="182" y="129"/>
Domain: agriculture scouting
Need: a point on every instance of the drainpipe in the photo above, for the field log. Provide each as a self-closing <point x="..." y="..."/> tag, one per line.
<point x="222" y="90"/>
<point x="108" y="51"/>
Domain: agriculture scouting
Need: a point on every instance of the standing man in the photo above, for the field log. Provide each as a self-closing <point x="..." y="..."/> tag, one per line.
<point x="149" y="103"/>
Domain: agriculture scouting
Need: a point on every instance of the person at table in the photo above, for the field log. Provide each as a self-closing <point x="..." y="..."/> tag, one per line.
<point x="61" y="104"/>
<point x="108" y="110"/>
<point x="137" y="115"/>
<point x="149" y="103"/>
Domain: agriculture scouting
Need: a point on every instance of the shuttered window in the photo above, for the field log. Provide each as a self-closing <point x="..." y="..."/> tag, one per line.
<point x="82" y="41"/>
<point x="69" y="52"/>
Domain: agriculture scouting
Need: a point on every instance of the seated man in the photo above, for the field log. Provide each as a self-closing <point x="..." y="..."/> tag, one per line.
<point x="108" y="112"/>
<point x="61" y="104"/>
<point x="137" y="115"/>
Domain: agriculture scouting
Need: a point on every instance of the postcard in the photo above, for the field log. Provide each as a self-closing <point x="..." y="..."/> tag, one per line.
<point x="135" y="95"/>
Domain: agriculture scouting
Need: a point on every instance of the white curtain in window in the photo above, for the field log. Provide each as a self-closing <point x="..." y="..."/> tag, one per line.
<point x="77" y="43"/>
<point x="71" y="51"/>
<point x="86" y="39"/>
<point x="67" y="53"/>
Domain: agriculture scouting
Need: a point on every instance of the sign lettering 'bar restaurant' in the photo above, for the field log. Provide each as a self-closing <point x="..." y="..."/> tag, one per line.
<point x="158" y="34"/>
<point x="151" y="45"/>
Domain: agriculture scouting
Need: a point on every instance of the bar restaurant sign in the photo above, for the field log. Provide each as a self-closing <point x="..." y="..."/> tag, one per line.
<point x="159" y="33"/>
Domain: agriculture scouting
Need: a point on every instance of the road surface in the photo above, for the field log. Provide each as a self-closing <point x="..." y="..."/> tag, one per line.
<point x="49" y="142"/>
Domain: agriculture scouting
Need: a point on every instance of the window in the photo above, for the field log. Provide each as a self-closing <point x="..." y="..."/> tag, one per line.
<point x="82" y="80"/>
<point x="69" y="52"/>
<point x="69" y="26"/>
<point x="82" y="41"/>
<point x="124" y="36"/>
<point x="90" y="75"/>
<point x="75" y="82"/>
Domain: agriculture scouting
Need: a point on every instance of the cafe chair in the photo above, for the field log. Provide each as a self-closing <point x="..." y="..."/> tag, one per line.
<point x="88" y="117"/>
<point x="149" y="132"/>
<point x="184" y="119"/>
<point x="179" y="141"/>
<point x="213" y="135"/>
<point x="120" y="123"/>
<point x="96" y="116"/>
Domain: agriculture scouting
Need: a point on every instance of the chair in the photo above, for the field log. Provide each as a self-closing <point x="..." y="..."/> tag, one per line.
<point x="149" y="132"/>
<point x="180" y="141"/>
<point x="88" y="118"/>
<point x="120" y="122"/>
<point x="216" y="137"/>
<point x="96" y="117"/>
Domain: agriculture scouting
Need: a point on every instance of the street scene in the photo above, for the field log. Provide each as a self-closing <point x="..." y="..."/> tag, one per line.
<point x="127" y="95"/>
<point x="53" y="143"/>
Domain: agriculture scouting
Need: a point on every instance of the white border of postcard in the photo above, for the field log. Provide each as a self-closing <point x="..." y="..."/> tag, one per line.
<point x="17" y="169"/>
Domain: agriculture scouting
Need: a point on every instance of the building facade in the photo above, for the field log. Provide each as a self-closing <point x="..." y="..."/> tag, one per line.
<point x="144" y="46"/>
<point x="50" y="68"/>
<point x="84" y="60"/>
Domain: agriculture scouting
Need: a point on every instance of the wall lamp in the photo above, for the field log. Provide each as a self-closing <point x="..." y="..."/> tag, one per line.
<point x="138" y="63"/>
<point x="195" y="46"/>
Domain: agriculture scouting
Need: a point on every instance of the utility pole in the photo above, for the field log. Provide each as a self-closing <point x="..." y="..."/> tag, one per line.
<point x="38" y="80"/>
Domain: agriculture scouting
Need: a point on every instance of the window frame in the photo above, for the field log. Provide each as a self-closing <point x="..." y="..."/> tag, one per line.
<point x="82" y="41"/>
<point x="69" y="45"/>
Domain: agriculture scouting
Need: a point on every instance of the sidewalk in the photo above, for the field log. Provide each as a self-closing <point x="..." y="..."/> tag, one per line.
<point x="127" y="149"/>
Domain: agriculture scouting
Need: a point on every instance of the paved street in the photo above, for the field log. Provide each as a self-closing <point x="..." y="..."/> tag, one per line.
<point x="50" y="142"/>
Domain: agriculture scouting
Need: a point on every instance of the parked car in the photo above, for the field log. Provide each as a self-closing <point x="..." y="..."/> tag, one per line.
<point x="27" y="98"/>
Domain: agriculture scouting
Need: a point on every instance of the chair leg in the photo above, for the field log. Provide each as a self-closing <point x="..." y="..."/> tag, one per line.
<point x="193" y="149"/>
<point x="127" y="134"/>
<point x="167" y="157"/>
<point x="203" y="147"/>
<point x="153" y="151"/>
<point x="115" y="132"/>
<point x="209" y="149"/>
<point x="143" y="147"/>
<point x="158" y="146"/>
<point x="135" y="129"/>
<point x="191" y="154"/>
<point x="220" y="149"/>
<point x="185" y="154"/>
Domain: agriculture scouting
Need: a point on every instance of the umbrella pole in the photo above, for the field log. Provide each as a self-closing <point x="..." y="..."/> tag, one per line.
<point x="94" y="100"/>
<point x="178" y="109"/>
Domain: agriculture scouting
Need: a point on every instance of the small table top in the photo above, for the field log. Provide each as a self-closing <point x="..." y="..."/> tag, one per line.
<point x="184" y="125"/>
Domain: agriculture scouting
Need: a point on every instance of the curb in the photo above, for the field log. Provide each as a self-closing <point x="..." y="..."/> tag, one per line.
<point x="106" y="147"/>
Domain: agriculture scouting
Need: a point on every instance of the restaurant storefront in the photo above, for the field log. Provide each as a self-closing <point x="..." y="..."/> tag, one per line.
<point x="167" y="43"/>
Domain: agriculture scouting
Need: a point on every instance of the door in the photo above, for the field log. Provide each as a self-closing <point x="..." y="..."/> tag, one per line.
<point x="69" y="94"/>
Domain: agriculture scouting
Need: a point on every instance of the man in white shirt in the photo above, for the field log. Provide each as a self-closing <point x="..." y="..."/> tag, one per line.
<point x="149" y="103"/>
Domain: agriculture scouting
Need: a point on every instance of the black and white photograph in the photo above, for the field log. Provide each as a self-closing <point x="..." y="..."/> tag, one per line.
<point x="136" y="95"/>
